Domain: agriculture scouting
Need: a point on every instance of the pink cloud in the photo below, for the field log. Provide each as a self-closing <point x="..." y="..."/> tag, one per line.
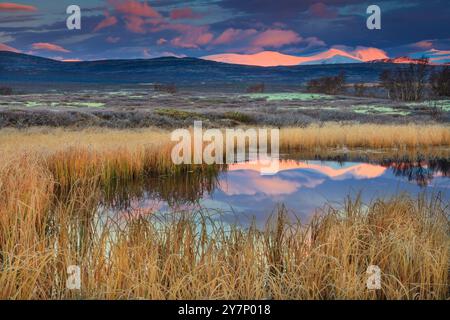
<point x="184" y="13"/>
<point x="321" y="10"/>
<point x="161" y="41"/>
<point x="425" y="44"/>
<point x="135" y="24"/>
<point x="252" y="183"/>
<point x="135" y="8"/>
<point x="192" y="41"/>
<point x="276" y="38"/>
<point x="231" y="35"/>
<point x="191" y="36"/>
<point x="107" y="22"/>
<point x="48" y="47"/>
<point x="4" y="47"/>
<point x="11" y="7"/>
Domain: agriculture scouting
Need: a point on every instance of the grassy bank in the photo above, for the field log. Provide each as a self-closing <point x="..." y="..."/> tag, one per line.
<point x="121" y="155"/>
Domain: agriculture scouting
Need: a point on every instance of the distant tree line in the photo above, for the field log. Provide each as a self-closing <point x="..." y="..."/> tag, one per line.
<point x="406" y="82"/>
<point x="165" y="88"/>
<point x="327" y="85"/>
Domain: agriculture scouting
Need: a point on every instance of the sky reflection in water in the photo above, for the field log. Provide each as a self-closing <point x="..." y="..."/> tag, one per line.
<point x="241" y="193"/>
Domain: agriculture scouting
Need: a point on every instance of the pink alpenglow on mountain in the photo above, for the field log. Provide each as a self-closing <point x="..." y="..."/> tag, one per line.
<point x="274" y="59"/>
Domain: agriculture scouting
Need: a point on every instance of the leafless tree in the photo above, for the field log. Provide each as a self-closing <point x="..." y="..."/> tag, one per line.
<point x="406" y="83"/>
<point x="328" y="85"/>
<point x="440" y="82"/>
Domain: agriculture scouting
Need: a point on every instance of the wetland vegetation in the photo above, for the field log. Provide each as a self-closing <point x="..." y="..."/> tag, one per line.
<point x="68" y="197"/>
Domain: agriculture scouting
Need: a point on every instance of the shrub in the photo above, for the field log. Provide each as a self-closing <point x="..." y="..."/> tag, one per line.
<point x="360" y="89"/>
<point x="257" y="88"/>
<point x="179" y="114"/>
<point x="166" y="88"/>
<point x="440" y="82"/>
<point x="6" y="91"/>
<point x="238" y="116"/>
<point x="327" y="85"/>
<point x="406" y="83"/>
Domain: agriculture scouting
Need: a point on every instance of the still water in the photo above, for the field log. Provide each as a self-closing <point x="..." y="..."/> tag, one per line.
<point x="239" y="193"/>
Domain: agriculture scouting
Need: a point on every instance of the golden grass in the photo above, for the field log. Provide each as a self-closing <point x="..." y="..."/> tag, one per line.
<point x="42" y="232"/>
<point x="188" y="256"/>
<point x="313" y="136"/>
<point x="365" y="135"/>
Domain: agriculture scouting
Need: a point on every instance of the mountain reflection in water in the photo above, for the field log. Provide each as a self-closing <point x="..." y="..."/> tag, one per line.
<point x="239" y="192"/>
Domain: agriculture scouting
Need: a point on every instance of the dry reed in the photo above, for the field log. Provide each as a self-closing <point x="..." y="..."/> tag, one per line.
<point x="191" y="255"/>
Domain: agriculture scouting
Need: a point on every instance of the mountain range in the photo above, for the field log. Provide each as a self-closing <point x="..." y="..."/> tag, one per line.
<point x="23" y="68"/>
<point x="330" y="56"/>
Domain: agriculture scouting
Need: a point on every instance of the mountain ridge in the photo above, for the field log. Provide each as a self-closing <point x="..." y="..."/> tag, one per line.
<point x="274" y="59"/>
<point x="22" y="68"/>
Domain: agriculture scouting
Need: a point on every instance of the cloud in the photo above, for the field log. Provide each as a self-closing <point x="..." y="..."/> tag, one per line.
<point x="135" y="24"/>
<point x="4" y="37"/>
<point x="184" y="13"/>
<point x="107" y="22"/>
<point x="232" y="35"/>
<point x="146" y="53"/>
<point x="424" y="44"/>
<point x="276" y="38"/>
<point x="321" y="10"/>
<point x="48" y="47"/>
<point x="252" y="183"/>
<point x="313" y="42"/>
<point x="14" y="7"/>
<point x="4" y="47"/>
<point x="135" y="8"/>
<point x="192" y="40"/>
<point x="191" y="37"/>
<point x="161" y="41"/>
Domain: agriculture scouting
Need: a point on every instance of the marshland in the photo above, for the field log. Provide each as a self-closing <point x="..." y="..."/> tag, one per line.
<point x="353" y="203"/>
<point x="87" y="180"/>
<point x="112" y="202"/>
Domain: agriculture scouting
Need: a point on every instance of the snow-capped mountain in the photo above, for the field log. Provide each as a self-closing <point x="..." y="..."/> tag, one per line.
<point x="273" y="58"/>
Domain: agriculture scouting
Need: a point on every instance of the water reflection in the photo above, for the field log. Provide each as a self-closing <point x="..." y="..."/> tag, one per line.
<point x="175" y="190"/>
<point x="240" y="192"/>
<point x="422" y="172"/>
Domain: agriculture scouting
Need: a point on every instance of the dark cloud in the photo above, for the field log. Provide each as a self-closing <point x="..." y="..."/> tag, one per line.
<point x="133" y="28"/>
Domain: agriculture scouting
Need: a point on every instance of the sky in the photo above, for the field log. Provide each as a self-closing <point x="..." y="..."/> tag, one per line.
<point x="113" y="29"/>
